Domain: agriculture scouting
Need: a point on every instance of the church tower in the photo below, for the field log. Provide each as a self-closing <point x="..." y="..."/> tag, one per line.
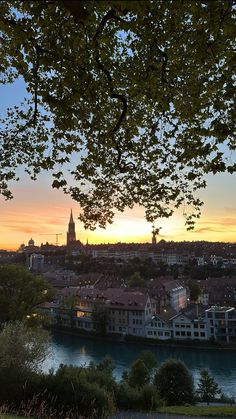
<point x="71" y="237"/>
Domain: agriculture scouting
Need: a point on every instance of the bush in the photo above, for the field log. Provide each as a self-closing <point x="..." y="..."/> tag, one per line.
<point x="130" y="398"/>
<point x="150" y="399"/>
<point x="174" y="383"/>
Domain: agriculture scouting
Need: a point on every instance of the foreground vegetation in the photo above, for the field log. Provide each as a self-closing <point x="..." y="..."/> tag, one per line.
<point x="215" y="411"/>
<point x="91" y="392"/>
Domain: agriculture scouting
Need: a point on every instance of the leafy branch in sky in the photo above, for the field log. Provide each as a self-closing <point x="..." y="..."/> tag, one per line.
<point x="135" y="99"/>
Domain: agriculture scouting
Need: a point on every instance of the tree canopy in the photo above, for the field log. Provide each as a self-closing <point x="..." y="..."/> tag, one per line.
<point x="21" y="292"/>
<point x="22" y="347"/>
<point x="207" y="388"/>
<point x="128" y="102"/>
<point x="174" y="383"/>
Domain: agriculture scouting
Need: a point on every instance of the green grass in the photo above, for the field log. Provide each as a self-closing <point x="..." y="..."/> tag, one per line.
<point x="220" y="411"/>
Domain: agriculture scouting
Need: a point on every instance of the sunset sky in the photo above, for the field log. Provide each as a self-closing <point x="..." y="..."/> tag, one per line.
<point x="38" y="211"/>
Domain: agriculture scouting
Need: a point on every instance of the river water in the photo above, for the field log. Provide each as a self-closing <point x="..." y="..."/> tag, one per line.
<point x="75" y="350"/>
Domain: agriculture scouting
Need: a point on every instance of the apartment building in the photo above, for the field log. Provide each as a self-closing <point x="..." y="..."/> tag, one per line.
<point x="221" y="323"/>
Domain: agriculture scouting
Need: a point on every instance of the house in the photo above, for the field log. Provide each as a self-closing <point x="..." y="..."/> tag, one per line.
<point x="190" y="324"/>
<point x="160" y="326"/>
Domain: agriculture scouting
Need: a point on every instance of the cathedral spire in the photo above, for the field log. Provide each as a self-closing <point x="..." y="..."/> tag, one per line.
<point x="71" y="217"/>
<point x="71" y="236"/>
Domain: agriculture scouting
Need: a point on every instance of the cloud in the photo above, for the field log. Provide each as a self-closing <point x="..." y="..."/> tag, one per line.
<point x="20" y="227"/>
<point x="207" y="229"/>
<point x="216" y="224"/>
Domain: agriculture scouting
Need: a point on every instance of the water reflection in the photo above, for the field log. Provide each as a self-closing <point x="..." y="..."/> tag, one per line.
<point x="81" y="351"/>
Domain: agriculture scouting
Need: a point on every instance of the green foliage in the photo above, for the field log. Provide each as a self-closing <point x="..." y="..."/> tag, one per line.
<point x="135" y="280"/>
<point x="139" y="93"/>
<point x="138" y="375"/>
<point x="106" y="365"/>
<point x="194" y="290"/>
<point x="99" y="316"/>
<point x="71" y="392"/>
<point x="207" y="387"/>
<point x="22" y="348"/>
<point x="174" y="383"/>
<point x="82" y="390"/>
<point x="21" y="293"/>
<point x="141" y="370"/>
<point x="148" y="359"/>
<point x="134" y="398"/>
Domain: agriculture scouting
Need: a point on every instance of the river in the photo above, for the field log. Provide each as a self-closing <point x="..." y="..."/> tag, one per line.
<point x="66" y="349"/>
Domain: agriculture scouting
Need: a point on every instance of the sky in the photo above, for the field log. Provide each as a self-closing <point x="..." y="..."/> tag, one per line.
<point x="37" y="211"/>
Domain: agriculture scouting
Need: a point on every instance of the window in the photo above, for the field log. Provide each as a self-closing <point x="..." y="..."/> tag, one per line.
<point x="188" y="333"/>
<point x="202" y="334"/>
<point x="196" y="334"/>
<point x="195" y="326"/>
<point x="219" y="315"/>
<point x="202" y="326"/>
<point x="167" y="334"/>
<point x="182" y="333"/>
<point x="177" y="333"/>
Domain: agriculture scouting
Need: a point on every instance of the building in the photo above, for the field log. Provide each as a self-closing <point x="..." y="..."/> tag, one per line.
<point x="36" y="262"/>
<point x="168" y="292"/>
<point x="160" y="326"/>
<point x="190" y="325"/>
<point x="71" y="235"/>
<point x="221" y="323"/>
<point x="127" y="311"/>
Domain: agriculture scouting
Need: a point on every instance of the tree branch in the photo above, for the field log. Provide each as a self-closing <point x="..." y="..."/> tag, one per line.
<point x="36" y="80"/>
<point x="114" y="95"/>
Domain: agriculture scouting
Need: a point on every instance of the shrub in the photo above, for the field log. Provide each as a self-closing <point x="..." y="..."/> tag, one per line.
<point x="174" y="383"/>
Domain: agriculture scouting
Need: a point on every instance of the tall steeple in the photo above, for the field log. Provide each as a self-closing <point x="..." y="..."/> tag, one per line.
<point x="71" y="217"/>
<point x="71" y="236"/>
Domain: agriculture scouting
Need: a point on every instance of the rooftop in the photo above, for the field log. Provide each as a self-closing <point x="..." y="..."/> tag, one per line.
<point x="220" y="309"/>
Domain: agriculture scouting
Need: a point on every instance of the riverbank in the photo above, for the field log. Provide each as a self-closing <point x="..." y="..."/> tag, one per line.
<point x="143" y="340"/>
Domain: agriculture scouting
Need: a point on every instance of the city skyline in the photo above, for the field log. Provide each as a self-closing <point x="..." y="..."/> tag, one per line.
<point x="40" y="212"/>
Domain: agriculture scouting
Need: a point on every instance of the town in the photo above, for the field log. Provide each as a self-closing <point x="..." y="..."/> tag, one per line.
<point x="159" y="290"/>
